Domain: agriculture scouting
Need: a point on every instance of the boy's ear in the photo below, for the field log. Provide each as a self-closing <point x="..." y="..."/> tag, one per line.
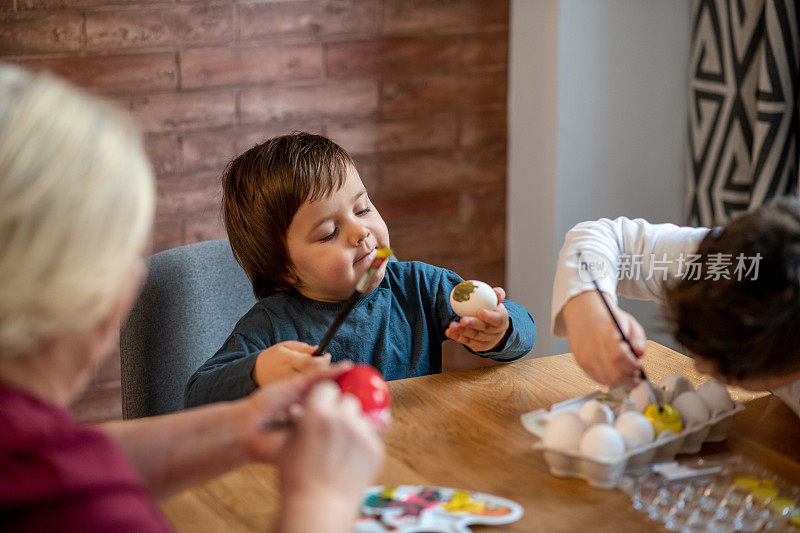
<point x="292" y="279"/>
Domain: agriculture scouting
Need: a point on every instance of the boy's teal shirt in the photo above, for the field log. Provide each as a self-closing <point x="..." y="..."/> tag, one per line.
<point x="398" y="328"/>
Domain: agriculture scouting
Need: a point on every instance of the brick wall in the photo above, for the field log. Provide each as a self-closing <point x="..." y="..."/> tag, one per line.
<point x="414" y="89"/>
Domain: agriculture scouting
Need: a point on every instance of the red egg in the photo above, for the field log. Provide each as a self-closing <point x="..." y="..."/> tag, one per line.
<point x="367" y="384"/>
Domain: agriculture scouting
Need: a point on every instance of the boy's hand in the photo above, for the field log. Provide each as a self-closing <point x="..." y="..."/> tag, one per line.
<point x="286" y="359"/>
<point x="596" y="344"/>
<point x="482" y="333"/>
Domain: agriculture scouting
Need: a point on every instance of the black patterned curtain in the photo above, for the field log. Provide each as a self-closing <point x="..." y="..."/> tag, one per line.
<point x="743" y="112"/>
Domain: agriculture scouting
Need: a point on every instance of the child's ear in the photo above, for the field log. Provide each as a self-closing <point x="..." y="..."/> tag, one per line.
<point x="292" y="279"/>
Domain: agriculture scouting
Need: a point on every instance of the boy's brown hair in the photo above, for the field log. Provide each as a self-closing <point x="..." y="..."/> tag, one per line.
<point x="749" y="327"/>
<point x="262" y="190"/>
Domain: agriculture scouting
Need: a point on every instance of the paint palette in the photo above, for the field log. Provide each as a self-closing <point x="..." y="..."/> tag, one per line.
<point x="414" y="508"/>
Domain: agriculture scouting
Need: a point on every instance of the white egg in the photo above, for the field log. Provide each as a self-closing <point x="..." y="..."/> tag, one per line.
<point x="635" y="428"/>
<point x="469" y="297"/>
<point x="642" y="396"/>
<point x="674" y="385"/>
<point x="715" y="394"/>
<point x="564" y="431"/>
<point x="692" y="408"/>
<point x="602" y="441"/>
<point x="594" y="412"/>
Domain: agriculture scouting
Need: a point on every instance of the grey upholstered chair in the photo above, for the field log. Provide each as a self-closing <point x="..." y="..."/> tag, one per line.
<point x="190" y="301"/>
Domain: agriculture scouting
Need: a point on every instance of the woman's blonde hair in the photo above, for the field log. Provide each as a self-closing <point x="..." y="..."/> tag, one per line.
<point x="76" y="206"/>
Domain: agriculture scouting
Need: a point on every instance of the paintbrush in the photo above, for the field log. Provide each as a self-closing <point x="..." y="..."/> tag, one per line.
<point x="364" y="281"/>
<point x="642" y="375"/>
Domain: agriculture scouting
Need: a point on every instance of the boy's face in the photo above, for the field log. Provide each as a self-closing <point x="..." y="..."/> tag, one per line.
<point x="710" y="367"/>
<point x="333" y="240"/>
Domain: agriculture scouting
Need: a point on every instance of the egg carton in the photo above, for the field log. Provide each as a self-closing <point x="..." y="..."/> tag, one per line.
<point x="605" y="473"/>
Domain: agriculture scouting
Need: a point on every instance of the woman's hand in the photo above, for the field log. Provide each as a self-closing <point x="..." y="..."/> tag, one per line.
<point x="596" y="344"/>
<point x="484" y="332"/>
<point x="329" y="458"/>
<point x="278" y="403"/>
<point x="286" y="359"/>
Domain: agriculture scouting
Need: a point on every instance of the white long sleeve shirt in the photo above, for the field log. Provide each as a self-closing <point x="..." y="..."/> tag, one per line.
<point x="630" y="258"/>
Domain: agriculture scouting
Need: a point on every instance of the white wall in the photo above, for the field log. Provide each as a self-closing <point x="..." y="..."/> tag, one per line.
<point x="532" y="159"/>
<point x="619" y="104"/>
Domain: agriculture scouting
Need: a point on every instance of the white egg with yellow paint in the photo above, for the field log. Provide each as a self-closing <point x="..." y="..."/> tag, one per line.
<point x="469" y="297"/>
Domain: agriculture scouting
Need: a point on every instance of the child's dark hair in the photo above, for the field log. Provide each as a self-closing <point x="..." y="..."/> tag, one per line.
<point x="749" y="327"/>
<point x="262" y="190"/>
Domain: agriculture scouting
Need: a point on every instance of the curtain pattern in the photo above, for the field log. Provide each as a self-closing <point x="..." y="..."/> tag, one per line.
<point x="743" y="114"/>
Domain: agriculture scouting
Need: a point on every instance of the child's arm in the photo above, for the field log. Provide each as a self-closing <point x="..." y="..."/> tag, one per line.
<point x="227" y="375"/>
<point x="504" y="333"/>
<point x="286" y="359"/>
<point x="627" y="257"/>
<point x="242" y="365"/>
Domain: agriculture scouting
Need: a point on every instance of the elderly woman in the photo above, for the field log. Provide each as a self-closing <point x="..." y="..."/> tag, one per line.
<point x="76" y="203"/>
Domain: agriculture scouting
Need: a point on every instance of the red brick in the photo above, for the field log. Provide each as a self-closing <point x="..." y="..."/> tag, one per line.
<point x="430" y="205"/>
<point x="452" y="91"/>
<point x="205" y="229"/>
<point x="443" y="15"/>
<point x="438" y="131"/>
<point x="209" y="150"/>
<point x="167" y="234"/>
<point x="391" y="56"/>
<point x="491" y="271"/>
<point x="484" y="202"/>
<point x="163" y="152"/>
<point x="421" y="172"/>
<point x="58" y="4"/>
<point x="487" y="240"/>
<point x="116" y="72"/>
<point x="488" y="127"/>
<point x="204" y="67"/>
<point x="250" y="136"/>
<point x="368" y="170"/>
<point x="485" y="164"/>
<point x="486" y="49"/>
<point x="183" y="111"/>
<point x="190" y="196"/>
<point x="174" y="26"/>
<point x="420" y="240"/>
<point x="485" y="212"/>
<point x="281" y="104"/>
<point x="39" y="32"/>
<point x="276" y="19"/>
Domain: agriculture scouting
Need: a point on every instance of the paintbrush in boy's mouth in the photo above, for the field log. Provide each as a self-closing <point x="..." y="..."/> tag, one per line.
<point x="363" y="282"/>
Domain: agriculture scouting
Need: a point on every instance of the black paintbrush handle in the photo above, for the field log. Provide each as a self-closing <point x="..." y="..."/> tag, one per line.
<point x="351" y="302"/>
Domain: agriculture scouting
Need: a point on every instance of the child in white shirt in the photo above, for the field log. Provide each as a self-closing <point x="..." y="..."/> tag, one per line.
<point x="732" y="296"/>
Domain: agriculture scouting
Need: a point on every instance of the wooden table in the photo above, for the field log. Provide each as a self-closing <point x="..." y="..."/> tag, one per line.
<point x="462" y="430"/>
